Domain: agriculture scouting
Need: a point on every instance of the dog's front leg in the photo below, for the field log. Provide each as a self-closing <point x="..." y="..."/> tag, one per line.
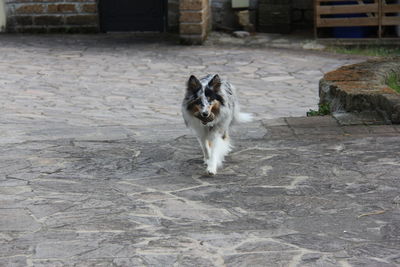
<point x="212" y="160"/>
<point x="205" y="149"/>
<point x="219" y="147"/>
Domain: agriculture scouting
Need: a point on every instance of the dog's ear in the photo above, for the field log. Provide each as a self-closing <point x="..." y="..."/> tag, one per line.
<point x="193" y="84"/>
<point x="215" y="83"/>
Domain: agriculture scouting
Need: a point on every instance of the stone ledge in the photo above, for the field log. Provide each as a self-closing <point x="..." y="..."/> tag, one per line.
<point x="321" y="128"/>
<point x="362" y="88"/>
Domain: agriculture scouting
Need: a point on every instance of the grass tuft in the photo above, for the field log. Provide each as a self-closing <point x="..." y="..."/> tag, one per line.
<point x="324" y="109"/>
<point x="393" y="81"/>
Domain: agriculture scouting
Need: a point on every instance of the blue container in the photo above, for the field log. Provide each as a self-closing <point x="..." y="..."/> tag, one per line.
<point x="353" y="31"/>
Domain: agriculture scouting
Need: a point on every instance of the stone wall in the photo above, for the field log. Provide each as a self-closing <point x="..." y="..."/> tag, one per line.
<point x="52" y="16"/>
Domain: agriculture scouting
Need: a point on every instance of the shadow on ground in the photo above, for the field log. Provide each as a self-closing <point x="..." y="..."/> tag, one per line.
<point x="299" y="192"/>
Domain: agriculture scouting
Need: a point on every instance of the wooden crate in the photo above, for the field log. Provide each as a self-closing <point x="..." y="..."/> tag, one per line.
<point x="333" y="13"/>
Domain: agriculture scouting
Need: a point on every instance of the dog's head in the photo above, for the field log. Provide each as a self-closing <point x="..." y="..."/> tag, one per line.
<point x="205" y="99"/>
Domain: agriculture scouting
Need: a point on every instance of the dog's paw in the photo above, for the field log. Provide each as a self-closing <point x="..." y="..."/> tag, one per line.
<point x="211" y="171"/>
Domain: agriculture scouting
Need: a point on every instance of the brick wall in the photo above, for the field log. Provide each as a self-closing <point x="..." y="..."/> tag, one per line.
<point x="195" y="20"/>
<point x="52" y="16"/>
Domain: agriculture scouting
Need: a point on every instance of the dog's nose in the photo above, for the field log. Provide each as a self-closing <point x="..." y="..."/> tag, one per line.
<point x="204" y="114"/>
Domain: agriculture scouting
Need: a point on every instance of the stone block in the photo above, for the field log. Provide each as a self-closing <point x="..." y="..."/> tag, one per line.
<point x="82" y="20"/>
<point x="17" y="220"/>
<point x="317" y="121"/>
<point x="192" y="16"/>
<point x="89" y="8"/>
<point x="355" y="129"/>
<point x="193" y="4"/>
<point x="277" y="132"/>
<point x="48" y="20"/>
<point x="31" y="29"/>
<point x="192" y="28"/>
<point x="24" y="20"/>
<point x="13" y="261"/>
<point x="30" y="9"/>
<point x="320" y="131"/>
<point x="61" y="8"/>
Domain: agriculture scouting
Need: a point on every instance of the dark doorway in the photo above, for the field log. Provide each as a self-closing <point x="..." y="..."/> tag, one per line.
<point x="133" y="15"/>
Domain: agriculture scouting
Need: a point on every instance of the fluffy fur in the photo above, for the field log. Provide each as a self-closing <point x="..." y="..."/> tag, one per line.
<point x="210" y="107"/>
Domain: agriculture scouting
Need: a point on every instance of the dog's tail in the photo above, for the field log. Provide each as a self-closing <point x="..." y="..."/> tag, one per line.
<point x="241" y="117"/>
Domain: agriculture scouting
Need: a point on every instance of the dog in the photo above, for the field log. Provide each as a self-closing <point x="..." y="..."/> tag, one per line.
<point x="210" y="107"/>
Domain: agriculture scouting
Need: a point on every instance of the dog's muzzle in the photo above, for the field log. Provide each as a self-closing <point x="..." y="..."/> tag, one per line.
<point x="206" y="119"/>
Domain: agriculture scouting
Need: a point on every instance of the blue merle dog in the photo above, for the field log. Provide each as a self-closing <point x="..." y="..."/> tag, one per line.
<point x="210" y="107"/>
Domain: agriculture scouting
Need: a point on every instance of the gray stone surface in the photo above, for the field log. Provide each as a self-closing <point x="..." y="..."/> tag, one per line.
<point x="305" y="199"/>
<point x="97" y="169"/>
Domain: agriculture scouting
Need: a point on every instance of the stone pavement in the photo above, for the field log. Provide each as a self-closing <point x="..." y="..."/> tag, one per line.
<point x="117" y="80"/>
<point x="97" y="169"/>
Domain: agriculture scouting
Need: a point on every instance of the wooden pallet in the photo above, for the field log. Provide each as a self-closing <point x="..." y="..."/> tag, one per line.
<point x="330" y="13"/>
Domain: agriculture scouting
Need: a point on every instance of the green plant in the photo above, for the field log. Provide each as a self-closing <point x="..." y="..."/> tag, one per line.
<point x="323" y="109"/>
<point x="366" y="50"/>
<point x="393" y="81"/>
